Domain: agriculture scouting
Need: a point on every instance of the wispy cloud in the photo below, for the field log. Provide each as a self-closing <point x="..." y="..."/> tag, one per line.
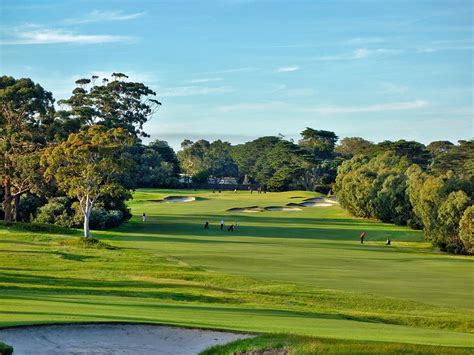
<point x="42" y="35"/>
<point x="253" y="106"/>
<point x="203" y="80"/>
<point x="391" y="88"/>
<point x="364" y="40"/>
<point x="361" y="53"/>
<point x="193" y="90"/>
<point x="104" y="16"/>
<point x="288" y="69"/>
<point x="278" y="105"/>
<point x="454" y="45"/>
<point x="232" y="70"/>
<point x="396" y="106"/>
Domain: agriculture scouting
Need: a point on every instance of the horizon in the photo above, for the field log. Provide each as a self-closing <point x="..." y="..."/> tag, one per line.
<point x="237" y="70"/>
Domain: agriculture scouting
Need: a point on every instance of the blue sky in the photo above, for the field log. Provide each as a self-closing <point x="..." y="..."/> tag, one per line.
<point x="239" y="69"/>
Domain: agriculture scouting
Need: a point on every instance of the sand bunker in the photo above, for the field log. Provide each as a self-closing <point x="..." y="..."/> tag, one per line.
<point x="176" y="199"/>
<point x="112" y="339"/>
<point x="280" y="208"/>
<point x="251" y="209"/>
<point x="180" y="198"/>
<point x="317" y="202"/>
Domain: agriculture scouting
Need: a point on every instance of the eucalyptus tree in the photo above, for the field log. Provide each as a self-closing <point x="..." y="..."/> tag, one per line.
<point x="89" y="165"/>
<point x="26" y="111"/>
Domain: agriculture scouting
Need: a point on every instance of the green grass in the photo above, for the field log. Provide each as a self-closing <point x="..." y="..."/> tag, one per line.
<point x="303" y="273"/>
<point x="312" y="345"/>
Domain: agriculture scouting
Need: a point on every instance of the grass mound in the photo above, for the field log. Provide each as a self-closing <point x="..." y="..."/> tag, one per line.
<point x="89" y="243"/>
<point x="41" y="228"/>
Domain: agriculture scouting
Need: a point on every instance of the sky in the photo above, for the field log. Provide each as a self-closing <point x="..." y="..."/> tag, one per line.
<point x="239" y="69"/>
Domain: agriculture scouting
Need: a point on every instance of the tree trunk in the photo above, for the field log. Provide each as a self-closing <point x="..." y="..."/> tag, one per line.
<point x="16" y="202"/>
<point x="87" y="215"/>
<point x="87" y="232"/>
<point x="7" y="203"/>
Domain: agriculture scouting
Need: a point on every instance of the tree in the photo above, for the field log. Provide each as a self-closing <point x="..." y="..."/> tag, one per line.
<point x="319" y="143"/>
<point x="25" y="112"/>
<point x="202" y="159"/>
<point x="439" y="147"/>
<point x="279" y="168"/>
<point x="112" y="104"/>
<point x="88" y="165"/>
<point x="191" y="157"/>
<point x="319" y="165"/>
<point x="414" y="151"/>
<point x="351" y="146"/>
<point x="218" y="160"/>
<point x="459" y="159"/>
<point x="246" y="155"/>
<point x="156" y="165"/>
<point x="466" y="229"/>
<point x="450" y="213"/>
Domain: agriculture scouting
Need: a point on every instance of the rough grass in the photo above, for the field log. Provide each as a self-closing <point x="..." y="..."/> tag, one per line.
<point x="302" y="272"/>
<point x="292" y="344"/>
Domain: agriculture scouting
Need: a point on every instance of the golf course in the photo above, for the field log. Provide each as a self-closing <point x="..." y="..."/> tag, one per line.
<point x="300" y="276"/>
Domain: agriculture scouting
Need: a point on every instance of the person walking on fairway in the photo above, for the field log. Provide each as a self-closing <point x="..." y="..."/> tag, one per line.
<point x="206" y="225"/>
<point x="143" y="217"/>
<point x="362" y="237"/>
<point x="222" y="224"/>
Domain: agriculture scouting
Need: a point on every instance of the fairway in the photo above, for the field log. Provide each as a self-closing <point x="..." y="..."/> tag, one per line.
<point x="301" y="272"/>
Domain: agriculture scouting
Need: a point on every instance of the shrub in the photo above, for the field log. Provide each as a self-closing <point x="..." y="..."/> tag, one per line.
<point x="5" y="349"/>
<point x="57" y="211"/>
<point x="103" y="219"/>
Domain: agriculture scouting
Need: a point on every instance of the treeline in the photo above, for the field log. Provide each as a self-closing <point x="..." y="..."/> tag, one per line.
<point x="430" y="189"/>
<point x="275" y="164"/>
<point x="76" y="162"/>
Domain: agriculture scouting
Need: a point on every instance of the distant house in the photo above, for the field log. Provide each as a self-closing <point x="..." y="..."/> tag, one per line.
<point x="222" y="181"/>
<point x="185" y="179"/>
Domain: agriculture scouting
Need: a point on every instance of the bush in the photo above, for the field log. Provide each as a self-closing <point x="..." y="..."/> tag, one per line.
<point x="57" y="211"/>
<point x="29" y="207"/>
<point x="62" y="212"/>
<point x="41" y="228"/>
<point x="5" y="349"/>
<point x="103" y="219"/>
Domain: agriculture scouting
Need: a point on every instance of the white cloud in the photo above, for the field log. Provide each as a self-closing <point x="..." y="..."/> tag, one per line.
<point x="364" y="40"/>
<point x="396" y="106"/>
<point x="279" y="105"/>
<point x="233" y="70"/>
<point x="256" y="106"/>
<point x="41" y="35"/>
<point x="203" y="80"/>
<point x="104" y="16"/>
<point x="391" y="88"/>
<point x="288" y="69"/>
<point x="192" y="91"/>
<point x="362" y="53"/>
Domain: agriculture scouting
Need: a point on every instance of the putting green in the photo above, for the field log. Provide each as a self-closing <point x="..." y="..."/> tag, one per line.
<point x="301" y="272"/>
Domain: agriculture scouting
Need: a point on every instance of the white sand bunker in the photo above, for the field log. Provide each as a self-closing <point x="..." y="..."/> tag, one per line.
<point x="317" y="202"/>
<point x="280" y="208"/>
<point x="176" y="199"/>
<point x="112" y="339"/>
<point x="251" y="209"/>
<point x="180" y="198"/>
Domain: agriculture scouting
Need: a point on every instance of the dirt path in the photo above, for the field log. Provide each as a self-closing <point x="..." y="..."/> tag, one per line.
<point x="108" y="339"/>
